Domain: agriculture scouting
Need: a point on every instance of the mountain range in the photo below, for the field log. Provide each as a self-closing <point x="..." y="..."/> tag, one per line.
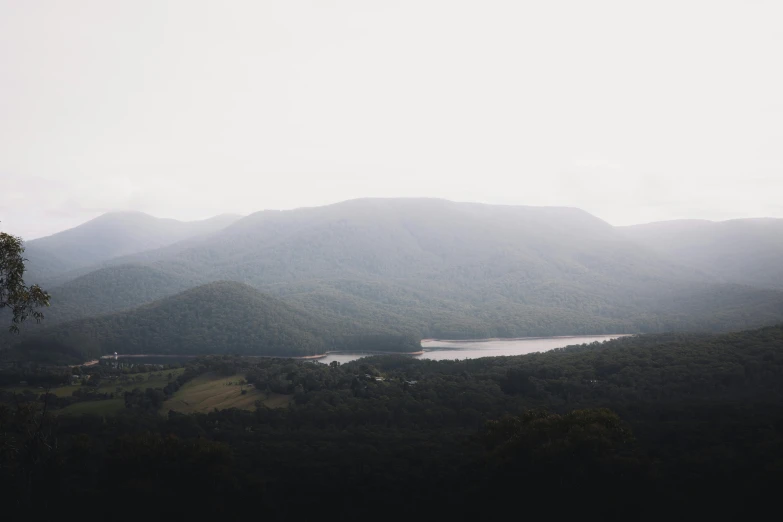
<point x="423" y="268"/>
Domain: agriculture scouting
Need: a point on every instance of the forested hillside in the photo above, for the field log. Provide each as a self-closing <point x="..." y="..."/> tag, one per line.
<point x="109" y="290"/>
<point x="444" y="269"/>
<point x="223" y="317"/>
<point x="747" y="251"/>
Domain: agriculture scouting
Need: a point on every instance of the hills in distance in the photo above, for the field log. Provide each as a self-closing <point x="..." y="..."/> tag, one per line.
<point x="109" y="236"/>
<point x="748" y="251"/>
<point x="429" y="268"/>
<point x="111" y="289"/>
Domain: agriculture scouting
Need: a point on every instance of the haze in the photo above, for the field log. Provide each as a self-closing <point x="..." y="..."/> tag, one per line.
<point x="632" y="112"/>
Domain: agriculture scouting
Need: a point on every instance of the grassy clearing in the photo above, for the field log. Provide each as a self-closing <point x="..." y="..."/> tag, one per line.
<point x="155" y="379"/>
<point x="103" y="407"/>
<point x="207" y="392"/>
<point x="202" y="394"/>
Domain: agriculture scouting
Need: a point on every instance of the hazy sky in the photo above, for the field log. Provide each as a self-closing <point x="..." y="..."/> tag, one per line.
<point x="633" y="110"/>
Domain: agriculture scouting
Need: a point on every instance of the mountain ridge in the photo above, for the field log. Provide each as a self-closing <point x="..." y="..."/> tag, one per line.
<point x="109" y="236"/>
<point x="746" y="251"/>
<point x="440" y="268"/>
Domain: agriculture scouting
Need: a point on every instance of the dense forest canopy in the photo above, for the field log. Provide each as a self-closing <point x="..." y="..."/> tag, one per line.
<point x="634" y="429"/>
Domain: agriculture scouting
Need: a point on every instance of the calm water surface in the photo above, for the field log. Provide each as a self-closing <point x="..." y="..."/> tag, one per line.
<point x="450" y="350"/>
<point x="434" y="350"/>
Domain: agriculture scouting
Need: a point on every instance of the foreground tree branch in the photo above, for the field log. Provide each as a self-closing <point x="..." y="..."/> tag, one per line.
<point x="23" y="301"/>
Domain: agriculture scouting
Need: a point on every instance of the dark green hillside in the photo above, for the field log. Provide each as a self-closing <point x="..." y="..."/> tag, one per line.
<point x="217" y="318"/>
<point x="109" y="290"/>
<point x="664" y="370"/>
<point x="697" y="307"/>
<point x="714" y="308"/>
<point x="405" y="309"/>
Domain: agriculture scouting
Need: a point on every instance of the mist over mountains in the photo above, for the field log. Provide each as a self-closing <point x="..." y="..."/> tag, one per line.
<point x="425" y="268"/>
<point x="110" y="236"/>
<point x="747" y="251"/>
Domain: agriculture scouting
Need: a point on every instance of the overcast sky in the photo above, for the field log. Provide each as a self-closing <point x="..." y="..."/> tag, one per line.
<point x="633" y="110"/>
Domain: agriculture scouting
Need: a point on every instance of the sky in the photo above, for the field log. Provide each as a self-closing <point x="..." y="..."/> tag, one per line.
<point x="634" y="111"/>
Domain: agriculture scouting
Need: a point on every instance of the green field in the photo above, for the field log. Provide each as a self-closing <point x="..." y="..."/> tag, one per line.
<point x="156" y="379"/>
<point x="207" y="392"/>
<point x="202" y="394"/>
<point x="102" y="407"/>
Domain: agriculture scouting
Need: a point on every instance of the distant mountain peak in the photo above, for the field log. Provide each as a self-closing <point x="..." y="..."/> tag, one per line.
<point x="113" y="235"/>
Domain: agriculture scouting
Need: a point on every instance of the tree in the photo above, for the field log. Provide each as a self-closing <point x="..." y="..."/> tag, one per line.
<point x="23" y="301"/>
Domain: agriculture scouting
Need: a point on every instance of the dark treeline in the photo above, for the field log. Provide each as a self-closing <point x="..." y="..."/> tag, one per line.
<point x="632" y="429"/>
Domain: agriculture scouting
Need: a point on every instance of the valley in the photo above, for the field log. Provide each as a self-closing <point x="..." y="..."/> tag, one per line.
<point x="383" y="346"/>
<point x="426" y="260"/>
<point x="380" y="274"/>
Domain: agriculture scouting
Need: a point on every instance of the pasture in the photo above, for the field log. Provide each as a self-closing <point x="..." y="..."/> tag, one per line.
<point x="100" y="407"/>
<point x="210" y="391"/>
<point x="126" y="382"/>
<point x="202" y="394"/>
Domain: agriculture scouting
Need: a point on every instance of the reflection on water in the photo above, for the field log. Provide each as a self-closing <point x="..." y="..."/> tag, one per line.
<point x="434" y="350"/>
<point x="450" y="350"/>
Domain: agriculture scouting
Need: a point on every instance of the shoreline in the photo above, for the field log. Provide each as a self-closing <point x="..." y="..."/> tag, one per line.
<point x="368" y="352"/>
<point x="364" y="352"/>
<point x="297" y="357"/>
<point x="493" y="339"/>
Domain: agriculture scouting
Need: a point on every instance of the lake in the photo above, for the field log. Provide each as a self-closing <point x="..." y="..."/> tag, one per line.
<point x="437" y="350"/>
